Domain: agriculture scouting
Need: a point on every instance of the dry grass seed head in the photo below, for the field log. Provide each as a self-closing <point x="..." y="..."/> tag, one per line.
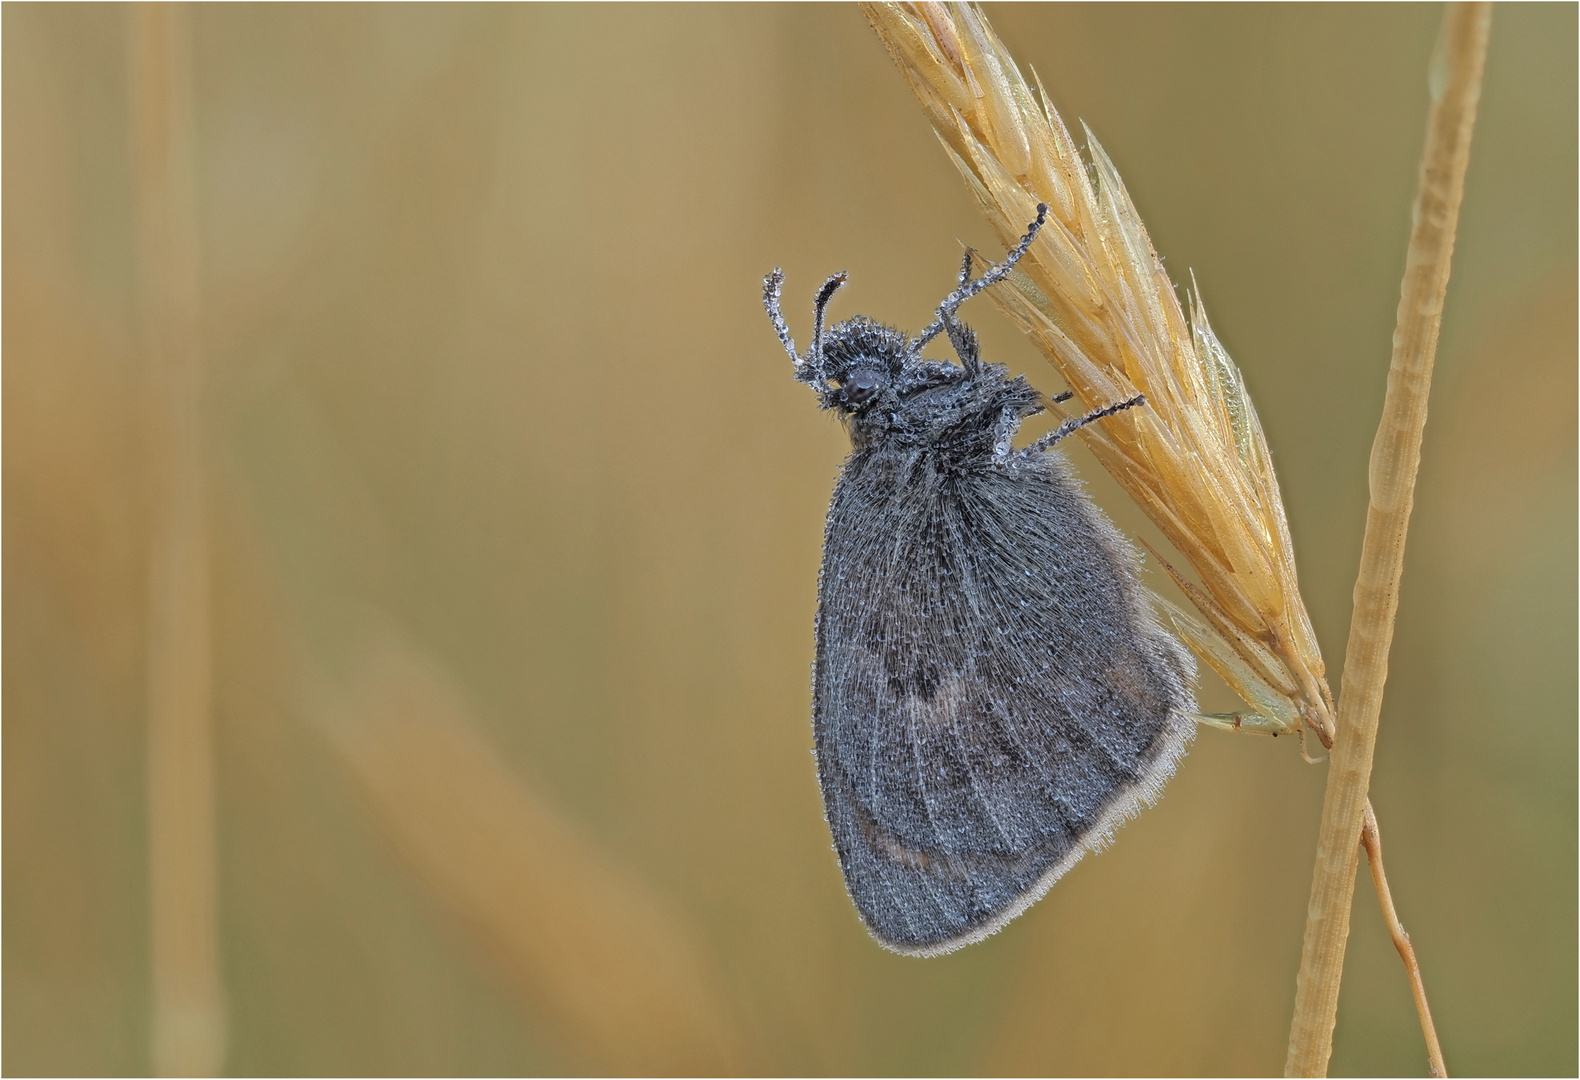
<point x="1094" y="297"/>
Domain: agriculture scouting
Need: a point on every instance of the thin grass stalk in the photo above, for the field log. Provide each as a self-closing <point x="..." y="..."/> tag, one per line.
<point x="1455" y="83"/>
<point x="1371" y="840"/>
<point x="188" y="1037"/>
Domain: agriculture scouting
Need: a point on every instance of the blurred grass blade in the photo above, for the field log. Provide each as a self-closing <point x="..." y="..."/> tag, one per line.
<point x="188" y="1036"/>
<point x="600" y="956"/>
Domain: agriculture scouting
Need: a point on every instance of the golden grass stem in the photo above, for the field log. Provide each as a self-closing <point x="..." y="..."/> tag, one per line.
<point x="188" y="1035"/>
<point x="1371" y="840"/>
<point x="1396" y="456"/>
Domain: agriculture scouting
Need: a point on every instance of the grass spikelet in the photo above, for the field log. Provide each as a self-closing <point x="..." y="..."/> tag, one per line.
<point x="1094" y="297"/>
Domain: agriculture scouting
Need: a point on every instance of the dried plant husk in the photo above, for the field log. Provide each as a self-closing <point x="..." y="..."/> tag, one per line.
<point x="1093" y="296"/>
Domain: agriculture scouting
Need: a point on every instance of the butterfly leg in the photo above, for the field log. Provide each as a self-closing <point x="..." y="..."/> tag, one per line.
<point x="1077" y="422"/>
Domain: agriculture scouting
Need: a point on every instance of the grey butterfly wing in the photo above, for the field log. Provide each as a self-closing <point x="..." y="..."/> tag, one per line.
<point x="992" y="692"/>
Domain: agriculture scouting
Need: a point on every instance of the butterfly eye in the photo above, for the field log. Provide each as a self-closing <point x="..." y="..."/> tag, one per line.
<point x="862" y="386"/>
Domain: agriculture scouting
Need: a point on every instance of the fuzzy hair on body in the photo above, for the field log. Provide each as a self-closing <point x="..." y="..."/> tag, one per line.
<point x="992" y="692"/>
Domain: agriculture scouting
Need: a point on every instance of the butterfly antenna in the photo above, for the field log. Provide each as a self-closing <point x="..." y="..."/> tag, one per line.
<point x="772" y="285"/>
<point x="814" y="353"/>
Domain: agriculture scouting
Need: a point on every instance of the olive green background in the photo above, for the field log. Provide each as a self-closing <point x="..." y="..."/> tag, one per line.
<point x="488" y="372"/>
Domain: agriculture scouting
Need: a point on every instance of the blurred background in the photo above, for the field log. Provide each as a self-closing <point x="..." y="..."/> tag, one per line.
<point x="411" y="534"/>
